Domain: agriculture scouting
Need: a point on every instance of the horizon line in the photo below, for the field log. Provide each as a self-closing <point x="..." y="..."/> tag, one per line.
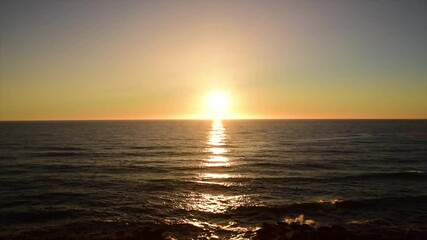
<point x="202" y="119"/>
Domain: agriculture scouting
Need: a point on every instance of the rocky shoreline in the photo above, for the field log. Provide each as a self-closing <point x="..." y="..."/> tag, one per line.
<point x="268" y="231"/>
<point x="294" y="231"/>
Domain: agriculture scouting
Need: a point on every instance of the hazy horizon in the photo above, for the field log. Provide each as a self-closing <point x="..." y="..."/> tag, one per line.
<point x="222" y="119"/>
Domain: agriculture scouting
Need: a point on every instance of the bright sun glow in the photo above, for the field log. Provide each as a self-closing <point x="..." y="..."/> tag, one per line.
<point x="217" y="103"/>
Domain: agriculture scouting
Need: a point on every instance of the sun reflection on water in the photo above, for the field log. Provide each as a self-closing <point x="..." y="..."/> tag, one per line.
<point x="216" y="146"/>
<point x="217" y="166"/>
<point x="215" y="178"/>
<point x="215" y="171"/>
<point x="215" y="175"/>
<point x="216" y="203"/>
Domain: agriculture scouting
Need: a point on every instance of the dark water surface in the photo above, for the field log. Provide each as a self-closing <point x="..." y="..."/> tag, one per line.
<point x="204" y="178"/>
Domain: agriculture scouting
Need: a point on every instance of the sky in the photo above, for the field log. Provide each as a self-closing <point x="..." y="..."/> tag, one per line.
<point x="70" y="60"/>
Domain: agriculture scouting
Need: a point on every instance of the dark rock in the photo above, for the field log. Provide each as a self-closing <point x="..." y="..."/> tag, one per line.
<point x="294" y="231"/>
<point x="148" y="234"/>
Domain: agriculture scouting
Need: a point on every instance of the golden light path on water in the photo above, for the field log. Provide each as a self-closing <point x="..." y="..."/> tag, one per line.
<point x="216" y="148"/>
<point x="215" y="171"/>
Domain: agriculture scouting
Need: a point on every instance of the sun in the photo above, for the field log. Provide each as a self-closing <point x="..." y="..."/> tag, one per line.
<point x="217" y="103"/>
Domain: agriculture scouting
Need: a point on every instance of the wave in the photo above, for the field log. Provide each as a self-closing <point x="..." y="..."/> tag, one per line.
<point x="40" y="215"/>
<point x="2" y="157"/>
<point x="152" y="147"/>
<point x="288" y="165"/>
<point x="58" y="154"/>
<point x="94" y="154"/>
<point x="315" y="207"/>
<point x="34" y="170"/>
<point x="402" y="175"/>
<point x="59" y="148"/>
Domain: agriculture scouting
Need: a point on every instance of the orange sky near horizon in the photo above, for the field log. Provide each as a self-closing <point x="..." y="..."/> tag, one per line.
<point x="79" y="60"/>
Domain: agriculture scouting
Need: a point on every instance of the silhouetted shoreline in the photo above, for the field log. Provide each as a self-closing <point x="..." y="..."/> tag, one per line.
<point x="268" y="231"/>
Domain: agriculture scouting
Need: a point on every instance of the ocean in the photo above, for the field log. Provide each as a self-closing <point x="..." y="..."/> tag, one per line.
<point x="213" y="179"/>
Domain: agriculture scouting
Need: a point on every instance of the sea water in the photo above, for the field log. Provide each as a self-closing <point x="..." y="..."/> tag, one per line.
<point x="213" y="178"/>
